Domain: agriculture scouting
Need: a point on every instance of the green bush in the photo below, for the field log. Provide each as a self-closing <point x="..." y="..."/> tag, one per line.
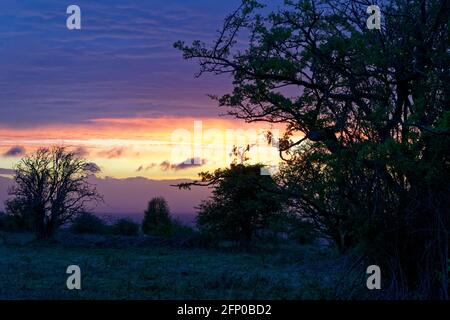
<point x="125" y="227"/>
<point x="87" y="223"/>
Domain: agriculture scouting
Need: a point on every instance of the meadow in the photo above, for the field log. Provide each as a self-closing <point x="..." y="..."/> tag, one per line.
<point x="141" y="268"/>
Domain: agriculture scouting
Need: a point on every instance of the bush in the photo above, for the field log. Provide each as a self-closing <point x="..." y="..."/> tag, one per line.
<point x="17" y="217"/>
<point x="87" y="223"/>
<point x="179" y="227"/>
<point x="125" y="227"/>
<point x="11" y="223"/>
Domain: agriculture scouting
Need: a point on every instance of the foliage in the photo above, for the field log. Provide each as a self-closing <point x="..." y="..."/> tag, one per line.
<point x="19" y="215"/>
<point x="241" y="203"/>
<point x="11" y="223"/>
<point x="367" y="146"/>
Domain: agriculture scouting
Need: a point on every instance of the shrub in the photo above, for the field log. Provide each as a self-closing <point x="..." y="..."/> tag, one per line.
<point x="17" y="217"/>
<point x="87" y="223"/>
<point x="125" y="227"/>
<point x="11" y="223"/>
<point x="179" y="227"/>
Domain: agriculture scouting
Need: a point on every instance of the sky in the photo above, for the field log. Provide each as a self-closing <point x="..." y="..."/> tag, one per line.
<point x="116" y="91"/>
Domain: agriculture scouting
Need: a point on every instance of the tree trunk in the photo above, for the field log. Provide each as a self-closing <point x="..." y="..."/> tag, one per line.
<point x="39" y="223"/>
<point x="44" y="227"/>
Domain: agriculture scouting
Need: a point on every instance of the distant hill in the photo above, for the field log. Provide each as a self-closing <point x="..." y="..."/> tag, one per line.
<point x="129" y="197"/>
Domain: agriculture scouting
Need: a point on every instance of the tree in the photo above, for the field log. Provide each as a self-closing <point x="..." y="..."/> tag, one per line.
<point x="157" y="218"/>
<point x="375" y="103"/>
<point x="241" y="203"/>
<point x="52" y="187"/>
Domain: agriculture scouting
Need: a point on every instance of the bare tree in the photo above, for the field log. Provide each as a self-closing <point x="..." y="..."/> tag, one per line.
<point x="52" y="186"/>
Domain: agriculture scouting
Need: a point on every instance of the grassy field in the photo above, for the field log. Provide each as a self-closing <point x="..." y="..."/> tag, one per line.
<point x="34" y="271"/>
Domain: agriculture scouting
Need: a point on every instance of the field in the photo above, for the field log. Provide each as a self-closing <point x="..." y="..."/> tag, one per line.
<point x="137" y="270"/>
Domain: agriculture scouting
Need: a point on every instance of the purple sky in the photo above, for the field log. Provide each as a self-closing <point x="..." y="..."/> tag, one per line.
<point x="57" y="85"/>
<point x="121" y="64"/>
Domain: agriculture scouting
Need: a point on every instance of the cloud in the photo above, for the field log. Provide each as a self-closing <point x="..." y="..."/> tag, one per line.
<point x="92" y="167"/>
<point x="15" y="151"/>
<point x="146" y="168"/>
<point x="137" y="41"/>
<point x="81" y="151"/>
<point x="7" y="171"/>
<point x="113" y="153"/>
<point x="187" y="164"/>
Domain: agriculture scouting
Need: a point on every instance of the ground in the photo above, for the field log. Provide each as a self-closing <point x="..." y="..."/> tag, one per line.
<point x="29" y="270"/>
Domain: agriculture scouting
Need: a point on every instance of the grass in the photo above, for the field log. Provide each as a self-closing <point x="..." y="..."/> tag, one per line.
<point x="36" y="271"/>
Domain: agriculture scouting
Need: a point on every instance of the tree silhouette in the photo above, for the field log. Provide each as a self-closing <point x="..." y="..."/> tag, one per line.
<point x="157" y="217"/>
<point x="242" y="202"/>
<point x="52" y="187"/>
<point x="374" y="103"/>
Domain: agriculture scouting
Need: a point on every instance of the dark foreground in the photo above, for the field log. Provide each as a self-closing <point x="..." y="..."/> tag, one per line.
<point x="137" y="270"/>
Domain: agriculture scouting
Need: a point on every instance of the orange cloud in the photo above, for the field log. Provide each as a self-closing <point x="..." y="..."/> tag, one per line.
<point x="120" y="146"/>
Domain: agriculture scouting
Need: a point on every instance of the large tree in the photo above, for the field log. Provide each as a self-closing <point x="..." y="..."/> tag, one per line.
<point x="52" y="187"/>
<point x="376" y="103"/>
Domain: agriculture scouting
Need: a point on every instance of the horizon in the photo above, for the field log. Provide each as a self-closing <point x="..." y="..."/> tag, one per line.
<point x="120" y="96"/>
<point x="115" y="95"/>
<point x="129" y="196"/>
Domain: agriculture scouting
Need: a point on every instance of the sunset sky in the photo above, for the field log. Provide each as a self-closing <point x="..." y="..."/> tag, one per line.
<point x="116" y="91"/>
